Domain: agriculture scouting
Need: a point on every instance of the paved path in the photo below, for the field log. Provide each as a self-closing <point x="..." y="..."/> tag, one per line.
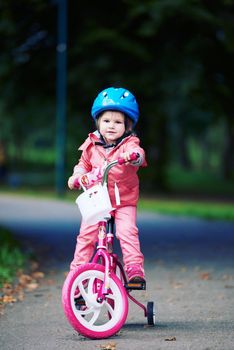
<point x="190" y="275"/>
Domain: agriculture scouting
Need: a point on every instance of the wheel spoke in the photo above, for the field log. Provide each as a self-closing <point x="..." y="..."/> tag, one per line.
<point x="110" y="309"/>
<point x="89" y="310"/>
<point x="90" y="285"/>
<point x="95" y="316"/>
<point x="86" y="311"/>
<point x="87" y="295"/>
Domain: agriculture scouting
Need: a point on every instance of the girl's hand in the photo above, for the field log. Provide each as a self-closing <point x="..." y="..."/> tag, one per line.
<point x="126" y="157"/>
<point x="133" y="158"/>
<point x="92" y="178"/>
<point x="78" y="181"/>
<point x="73" y="182"/>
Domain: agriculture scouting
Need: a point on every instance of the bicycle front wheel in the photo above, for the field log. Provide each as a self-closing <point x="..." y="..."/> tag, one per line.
<point x="86" y="315"/>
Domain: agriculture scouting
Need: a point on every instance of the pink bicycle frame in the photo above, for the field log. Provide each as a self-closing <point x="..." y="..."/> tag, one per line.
<point x="105" y="256"/>
<point x="101" y="255"/>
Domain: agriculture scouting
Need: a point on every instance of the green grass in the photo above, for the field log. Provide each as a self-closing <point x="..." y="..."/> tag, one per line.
<point x="11" y="257"/>
<point x="201" y="209"/>
<point x="198" y="182"/>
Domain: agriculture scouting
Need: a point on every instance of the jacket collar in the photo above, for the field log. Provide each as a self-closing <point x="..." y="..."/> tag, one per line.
<point x="97" y="139"/>
<point x="94" y="138"/>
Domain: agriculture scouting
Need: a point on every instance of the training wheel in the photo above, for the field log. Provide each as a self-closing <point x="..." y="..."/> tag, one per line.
<point x="151" y="313"/>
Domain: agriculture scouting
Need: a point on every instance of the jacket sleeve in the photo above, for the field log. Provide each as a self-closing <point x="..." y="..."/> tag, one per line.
<point x="133" y="145"/>
<point x="84" y="166"/>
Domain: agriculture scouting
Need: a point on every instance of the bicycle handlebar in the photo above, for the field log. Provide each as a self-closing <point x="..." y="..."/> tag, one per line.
<point x="133" y="156"/>
<point x="120" y="161"/>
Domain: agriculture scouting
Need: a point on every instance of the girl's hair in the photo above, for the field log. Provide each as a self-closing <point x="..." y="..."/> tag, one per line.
<point x="128" y="124"/>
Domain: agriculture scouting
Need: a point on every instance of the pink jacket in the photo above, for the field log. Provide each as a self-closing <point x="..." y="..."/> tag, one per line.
<point x="125" y="176"/>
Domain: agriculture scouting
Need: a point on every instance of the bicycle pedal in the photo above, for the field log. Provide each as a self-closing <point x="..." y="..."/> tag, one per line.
<point x="135" y="285"/>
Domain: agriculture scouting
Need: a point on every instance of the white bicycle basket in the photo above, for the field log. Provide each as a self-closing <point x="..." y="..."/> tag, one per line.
<point x="94" y="204"/>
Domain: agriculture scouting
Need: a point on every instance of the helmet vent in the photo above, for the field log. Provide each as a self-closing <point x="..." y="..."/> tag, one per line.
<point x="125" y="94"/>
<point x="104" y="94"/>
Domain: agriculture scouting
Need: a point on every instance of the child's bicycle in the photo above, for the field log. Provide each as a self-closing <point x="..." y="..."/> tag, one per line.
<point x="95" y="295"/>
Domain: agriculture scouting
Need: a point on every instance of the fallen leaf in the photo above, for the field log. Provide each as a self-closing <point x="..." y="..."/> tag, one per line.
<point x="18" y="288"/>
<point x="177" y="285"/>
<point x="26" y="282"/>
<point x="171" y="339"/>
<point x="108" y="346"/>
<point x="32" y="286"/>
<point x="7" y="289"/>
<point x="24" y="279"/>
<point x="8" y="299"/>
<point x="38" y="275"/>
<point x="205" y="276"/>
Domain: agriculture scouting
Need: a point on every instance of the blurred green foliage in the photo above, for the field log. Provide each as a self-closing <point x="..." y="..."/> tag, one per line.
<point x="11" y="257"/>
<point x="177" y="56"/>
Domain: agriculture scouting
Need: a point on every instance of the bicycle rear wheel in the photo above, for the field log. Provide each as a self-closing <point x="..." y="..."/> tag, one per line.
<point x="93" y="319"/>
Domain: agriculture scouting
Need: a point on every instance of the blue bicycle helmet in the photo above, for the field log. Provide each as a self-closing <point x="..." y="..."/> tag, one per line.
<point x="116" y="99"/>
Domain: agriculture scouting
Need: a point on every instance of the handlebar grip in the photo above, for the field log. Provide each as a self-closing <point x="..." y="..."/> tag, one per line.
<point x="133" y="156"/>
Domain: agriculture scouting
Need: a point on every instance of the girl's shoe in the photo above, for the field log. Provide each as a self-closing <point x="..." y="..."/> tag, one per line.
<point x="137" y="279"/>
<point x="135" y="275"/>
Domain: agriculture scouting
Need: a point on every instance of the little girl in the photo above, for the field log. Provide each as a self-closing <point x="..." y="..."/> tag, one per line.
<point x="115" y="112"/>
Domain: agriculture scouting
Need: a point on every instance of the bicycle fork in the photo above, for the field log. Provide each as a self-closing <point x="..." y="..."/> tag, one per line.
<point x="105" y="241"/>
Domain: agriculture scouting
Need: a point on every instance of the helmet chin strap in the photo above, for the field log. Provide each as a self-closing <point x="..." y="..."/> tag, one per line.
<point x="109" y="145"/>
<point x="106" y="145"/>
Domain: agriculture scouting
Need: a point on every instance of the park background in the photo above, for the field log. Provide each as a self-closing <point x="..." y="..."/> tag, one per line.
<point x="176" y="56"/>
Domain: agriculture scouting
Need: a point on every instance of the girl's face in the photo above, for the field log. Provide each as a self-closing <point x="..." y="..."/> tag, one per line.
<point x="111" y="126"/>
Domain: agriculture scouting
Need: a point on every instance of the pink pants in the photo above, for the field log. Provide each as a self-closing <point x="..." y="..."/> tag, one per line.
<point x="126" y="232"/>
